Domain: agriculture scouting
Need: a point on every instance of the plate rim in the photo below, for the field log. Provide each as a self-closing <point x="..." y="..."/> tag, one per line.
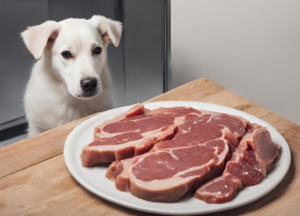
<point x="68" y="148"/>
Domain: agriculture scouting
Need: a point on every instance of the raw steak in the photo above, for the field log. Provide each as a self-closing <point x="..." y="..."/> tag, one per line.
<point x="132" y="133"/>
<point x="248" y="166"/>
<point x="198" y="152"/>
<point x="220" y="190"/>
<point x="209" y="126"/>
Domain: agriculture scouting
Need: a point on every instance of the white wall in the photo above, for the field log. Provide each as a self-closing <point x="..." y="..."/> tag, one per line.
<point x="251" y="47"/>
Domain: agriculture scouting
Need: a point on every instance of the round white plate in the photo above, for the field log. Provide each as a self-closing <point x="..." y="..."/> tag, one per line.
<point x="93" y="179"/>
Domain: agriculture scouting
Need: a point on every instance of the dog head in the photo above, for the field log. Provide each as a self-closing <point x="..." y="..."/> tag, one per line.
<point x="75" y="50"/>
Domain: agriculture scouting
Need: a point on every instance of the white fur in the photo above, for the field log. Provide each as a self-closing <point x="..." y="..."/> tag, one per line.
<point x="53" y="95"/>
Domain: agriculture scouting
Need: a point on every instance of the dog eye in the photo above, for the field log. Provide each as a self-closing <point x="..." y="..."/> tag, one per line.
<point x="66" y="54"/>
<point x="97" y="50"/>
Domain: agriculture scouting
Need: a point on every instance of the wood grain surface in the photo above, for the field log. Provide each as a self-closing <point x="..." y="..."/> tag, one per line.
<point x="35" y="181"/>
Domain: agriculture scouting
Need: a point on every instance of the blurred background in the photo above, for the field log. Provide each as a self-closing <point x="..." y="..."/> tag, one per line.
<point x="250" y="47"/>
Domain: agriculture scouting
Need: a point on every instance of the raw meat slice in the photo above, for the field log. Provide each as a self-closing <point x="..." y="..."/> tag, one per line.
<point x="198" y="152"/>
<point x="220" y="190"/>
<point x="132" y="133"/>
<point x="250" y="163"/>
<point x="166" y="175"/>
<point x="123" y="146"/>
<point x="254" y="157"/>
<point x="210" y="125"/>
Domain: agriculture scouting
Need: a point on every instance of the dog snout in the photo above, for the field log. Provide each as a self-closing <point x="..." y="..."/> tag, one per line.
<point x="88" y="84"/>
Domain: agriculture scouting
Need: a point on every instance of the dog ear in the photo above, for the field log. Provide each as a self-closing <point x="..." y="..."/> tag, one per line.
<point x="36" y="38"/>
<point x="110" y="30"/>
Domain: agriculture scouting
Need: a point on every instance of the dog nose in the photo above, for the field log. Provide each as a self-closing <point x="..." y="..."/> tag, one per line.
<point x="88" y="84"/>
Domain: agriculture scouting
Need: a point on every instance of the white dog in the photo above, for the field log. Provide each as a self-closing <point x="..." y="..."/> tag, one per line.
<point x="70" y="80"/>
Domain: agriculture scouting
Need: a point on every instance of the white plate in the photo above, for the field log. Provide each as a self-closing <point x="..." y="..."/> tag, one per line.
<point x="93" y="178"/>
